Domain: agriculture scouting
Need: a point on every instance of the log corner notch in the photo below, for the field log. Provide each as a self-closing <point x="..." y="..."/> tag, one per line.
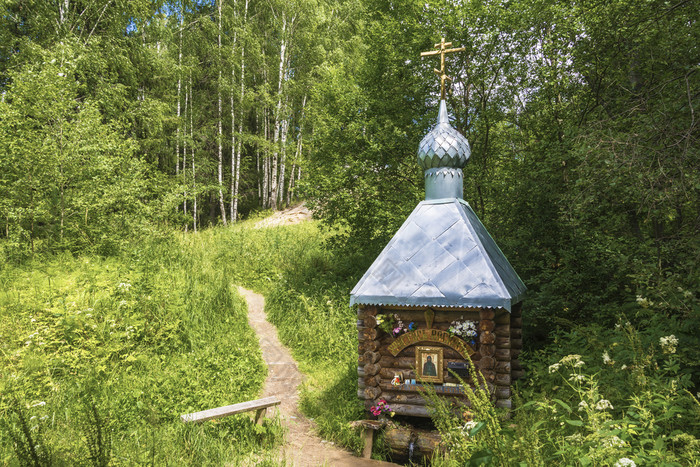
<point x="516" y="334"/>
<point x="368" y="362"/>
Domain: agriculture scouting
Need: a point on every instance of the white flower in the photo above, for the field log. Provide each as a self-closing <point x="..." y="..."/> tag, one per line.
<point x="572" y="359"/>
<point x="625" y="462"/>
<point x="554" y="367"/>
<point x="38" y="404"/>
<point x="613" y="442"/>
<point x="583" y="405"/>
<point x="668" y="344"/>
<point x="623" y="367"/>
<point x="469" y="426"/>
<point x="606" y="359"/>
<point x="603" y="404"/>
<point x="577" y="378"/>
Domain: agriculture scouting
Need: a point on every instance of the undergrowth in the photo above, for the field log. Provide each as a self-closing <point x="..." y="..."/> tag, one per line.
<point x="162" y="331"/>
<point x="99" y="357"/>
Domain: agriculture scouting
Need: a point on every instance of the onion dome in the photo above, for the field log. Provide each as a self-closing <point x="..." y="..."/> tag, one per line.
<point x="443" y="146"/>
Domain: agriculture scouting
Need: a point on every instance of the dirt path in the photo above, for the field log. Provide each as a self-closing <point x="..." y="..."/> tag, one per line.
<point x="302" y="447"/>
<point x="289" y="216"/>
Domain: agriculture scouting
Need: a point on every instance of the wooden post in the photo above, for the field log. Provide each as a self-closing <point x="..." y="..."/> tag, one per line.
<point x="368" y="438"/>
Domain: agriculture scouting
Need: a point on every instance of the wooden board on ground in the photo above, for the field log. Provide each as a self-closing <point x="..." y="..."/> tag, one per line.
<point x="260" y="405"/>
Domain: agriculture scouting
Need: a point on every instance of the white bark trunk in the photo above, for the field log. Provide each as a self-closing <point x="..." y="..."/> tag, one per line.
<point x="283" y="156"/>
<point x="194" y="173"/>
<point x="184" y="153"/>
<point x="297" y="155"/>
<point x="179" y="87"/>
<point x="222" y="208"/>
<point x="234" y="216"/>
<point x="278" y="113"/>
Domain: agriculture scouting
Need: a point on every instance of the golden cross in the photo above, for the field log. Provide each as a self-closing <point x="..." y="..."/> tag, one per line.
<point x="442" y="51"/>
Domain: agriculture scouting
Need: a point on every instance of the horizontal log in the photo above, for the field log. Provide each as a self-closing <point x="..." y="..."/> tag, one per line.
<point x="361" y="371"/>
<point x="504" y="403"/>
<point x="487" y="313"/>
<point x="361" y="394"/>
<point x="370" y="357"/>
<point x="410" y="351"/>
<point x="486" y="363"/>
<point x="440" y="316"/>
<point x="372" y="392"/>
<point x="398" y="362"/>
<point x="503" y="354"/>
<point x="515" y="353"/>
<point x="411" y="410"/>
<point x="503" y="392"/>
<point x="373" y="380"/>
<point x="503" y="367"/>
<point x="487" y="325"/>
<point x="502" y="317"/>
<point x="360" y="323"/>
<point x="368" y="334"/>
<point x="411" y="398"/>
<point x="516" y="343"/>
<point x="387" y="374"/>
<point x="487" y="338"/>
<point x="372" y="369"/>
<point x="361" y="383"/>
<point x="503" y="342"/>
<point x="517" y="374"/>
<point x="370" y="322"/>
<point x="516" y="365"/>
<point x="502" y="330"/>
<point x="425" y="443"/>
<point x="516" y="322"/>
<point x="502" y="379"/>
<point x="516" y="333"/>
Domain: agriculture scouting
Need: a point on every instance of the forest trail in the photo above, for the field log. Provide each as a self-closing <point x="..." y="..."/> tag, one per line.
<point x="289" y="216"/>
<point x="301" y="447"/>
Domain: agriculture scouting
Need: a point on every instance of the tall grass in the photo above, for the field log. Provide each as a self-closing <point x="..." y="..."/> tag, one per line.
<point x="141" y="339"/>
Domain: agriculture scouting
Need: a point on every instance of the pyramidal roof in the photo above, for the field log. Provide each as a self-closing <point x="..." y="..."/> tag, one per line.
<point x="442" y="256"/>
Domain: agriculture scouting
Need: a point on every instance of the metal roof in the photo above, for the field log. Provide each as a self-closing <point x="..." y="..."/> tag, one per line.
<point x="441" y="256"/>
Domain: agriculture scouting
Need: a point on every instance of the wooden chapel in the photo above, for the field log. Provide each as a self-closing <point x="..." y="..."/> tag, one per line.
<point x="439" y="293"/>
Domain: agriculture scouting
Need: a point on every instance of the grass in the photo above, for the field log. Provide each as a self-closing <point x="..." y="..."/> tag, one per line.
<point x="143" y="337"/>
<point x="161" y="331"/>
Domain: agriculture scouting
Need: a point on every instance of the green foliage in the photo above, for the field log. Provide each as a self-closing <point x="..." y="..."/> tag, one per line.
<point x="590" y="408"/>
<point x="104" y="354"/>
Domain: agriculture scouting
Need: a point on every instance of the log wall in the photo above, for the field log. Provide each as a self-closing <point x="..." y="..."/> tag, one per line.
<point x="496" y="356"/>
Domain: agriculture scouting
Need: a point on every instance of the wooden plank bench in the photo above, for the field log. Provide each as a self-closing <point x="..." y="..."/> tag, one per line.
<point x="260" y="405"/>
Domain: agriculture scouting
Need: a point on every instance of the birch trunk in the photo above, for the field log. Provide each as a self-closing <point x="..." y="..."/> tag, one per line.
<point x="179" y="87"/>
<point x="222" y="208"/>
<point x="266" y="162"/>
<point x="184" y="152"/>
<point x="283" y="154"/>
<point x="278" y="115"/>
<point x="194" y="173"/>
<point x="234" y="216"/>
<point x="297" y="155"/>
